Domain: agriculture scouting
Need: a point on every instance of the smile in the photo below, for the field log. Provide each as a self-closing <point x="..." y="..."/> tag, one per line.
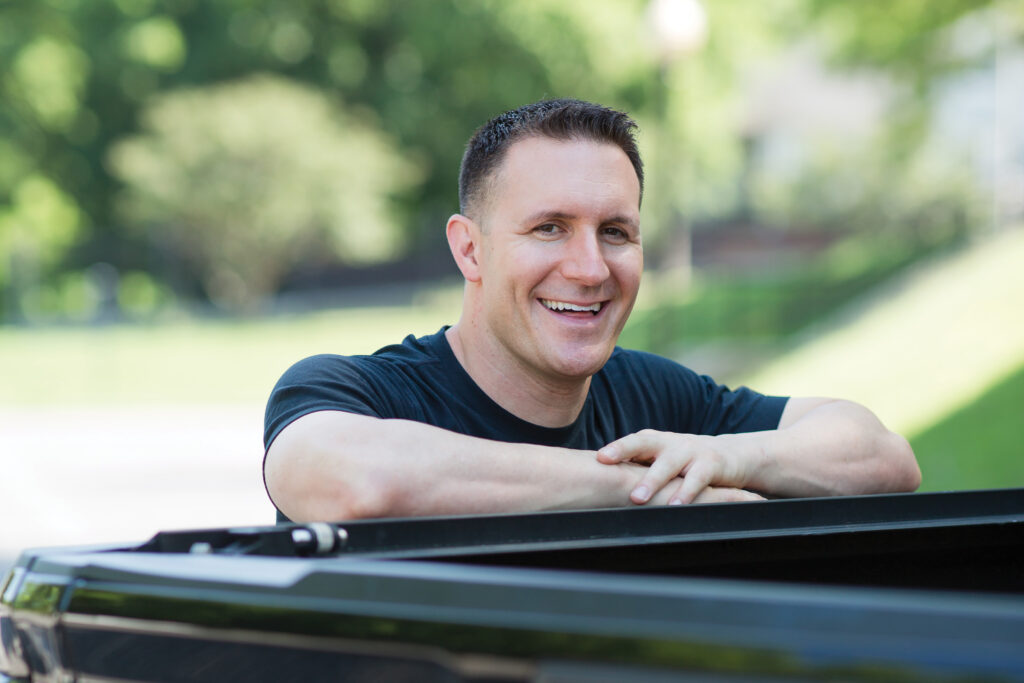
<point x="550" y="304"/>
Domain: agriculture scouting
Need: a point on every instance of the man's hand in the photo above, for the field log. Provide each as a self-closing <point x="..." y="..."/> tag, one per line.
<point x="699" y="461"/>
<point x="822" y="447"/>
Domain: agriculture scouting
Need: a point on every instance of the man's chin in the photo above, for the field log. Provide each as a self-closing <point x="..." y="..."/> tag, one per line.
<point x="575" y="364"/>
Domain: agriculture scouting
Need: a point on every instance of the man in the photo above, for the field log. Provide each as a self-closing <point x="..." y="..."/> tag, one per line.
<point x="526" y="403"/>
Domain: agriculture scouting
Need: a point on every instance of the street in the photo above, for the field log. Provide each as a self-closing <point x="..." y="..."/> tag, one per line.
<point x="73" y="476"/>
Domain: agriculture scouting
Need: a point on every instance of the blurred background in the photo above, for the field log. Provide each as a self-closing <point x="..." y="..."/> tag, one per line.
<point x="195" y="194"/>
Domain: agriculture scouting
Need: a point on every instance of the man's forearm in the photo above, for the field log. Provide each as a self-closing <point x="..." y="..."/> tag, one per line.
<point x="830" y="448"/>
<point x="333" y="465"/>
<point x="822" y="447"/>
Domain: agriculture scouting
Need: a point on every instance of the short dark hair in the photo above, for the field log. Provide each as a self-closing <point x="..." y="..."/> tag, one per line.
<point x="561" y="119"/>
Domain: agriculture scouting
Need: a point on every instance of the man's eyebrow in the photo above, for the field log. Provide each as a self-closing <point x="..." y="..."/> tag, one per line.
<point x="544" y="215"/>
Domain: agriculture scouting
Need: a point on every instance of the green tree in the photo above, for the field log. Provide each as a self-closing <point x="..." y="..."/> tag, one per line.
<point x="76" y="75"/>
<point x="251" y="177"/>
<point x="919" y="45"/>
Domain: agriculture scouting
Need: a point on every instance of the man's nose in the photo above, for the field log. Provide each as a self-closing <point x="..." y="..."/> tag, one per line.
<point x="584" y="261"/>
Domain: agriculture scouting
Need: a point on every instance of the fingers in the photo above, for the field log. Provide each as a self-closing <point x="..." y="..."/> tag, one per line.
<point x="699" y="477"/>
<point x="666" y="468"/>
<point x="694" y="459"/>
<point x="642" y="446"/>
<point x="705" y="471"/>
<point x="699" y="468"/>
<point x="648" y="447"/>
<point x="669" y="456"/>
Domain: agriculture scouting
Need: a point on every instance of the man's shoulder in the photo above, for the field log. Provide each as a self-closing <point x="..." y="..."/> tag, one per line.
<point x="410" y="349"/>
<point x="383" y="384"/>
<point x="413" y="344"/>
<point x="411" y="352"/>
<point x="672" y="397"/>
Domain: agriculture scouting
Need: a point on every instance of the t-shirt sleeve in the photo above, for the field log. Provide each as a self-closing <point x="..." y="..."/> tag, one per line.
<point x="684" y="401"/>
<point x="733" y="411"/>
<point x="324" y="382"/>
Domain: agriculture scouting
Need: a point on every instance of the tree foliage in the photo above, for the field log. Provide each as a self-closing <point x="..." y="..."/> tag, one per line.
<point x="249" y="178"/>
<point x="80" y="79"/>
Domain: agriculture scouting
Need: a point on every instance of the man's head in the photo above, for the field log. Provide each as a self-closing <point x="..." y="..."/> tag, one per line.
<point x="562" y="119"/>
<point x="551" y="248"/>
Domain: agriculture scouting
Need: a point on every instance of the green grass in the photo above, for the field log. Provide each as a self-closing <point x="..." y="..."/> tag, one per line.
<point x="767" y="306"/>
<point x="939" y="338"/>
<point x="190" y="361"/>
<point x="939" y="357"/>
<point x="184" y="360"/>
<point x="980" y="445"/>
<point x="922" y="347"/>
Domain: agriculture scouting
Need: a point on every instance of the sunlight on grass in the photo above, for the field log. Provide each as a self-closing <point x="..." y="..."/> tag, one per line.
<point x="939" y="339"/>
<point x="979" y="445"/>
<point x="194" y="362"/>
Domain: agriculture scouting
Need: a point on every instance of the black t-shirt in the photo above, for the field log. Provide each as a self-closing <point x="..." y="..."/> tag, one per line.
<point x="421" y="380"/>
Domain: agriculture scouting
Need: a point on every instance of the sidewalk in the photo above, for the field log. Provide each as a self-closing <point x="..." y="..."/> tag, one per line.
<point x="111" y="474"/>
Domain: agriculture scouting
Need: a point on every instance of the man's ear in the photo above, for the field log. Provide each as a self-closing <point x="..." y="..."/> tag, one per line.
<point x="464" y="241"/>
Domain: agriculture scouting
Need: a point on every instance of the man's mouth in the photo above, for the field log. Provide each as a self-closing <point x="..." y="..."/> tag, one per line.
<point x="566" y="307"/>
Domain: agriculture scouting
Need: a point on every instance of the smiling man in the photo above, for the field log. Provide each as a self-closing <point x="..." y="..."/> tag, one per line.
<point x="526" y="403"/>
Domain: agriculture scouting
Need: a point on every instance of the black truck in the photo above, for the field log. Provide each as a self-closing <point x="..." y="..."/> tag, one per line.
<point x="912" y="587"/>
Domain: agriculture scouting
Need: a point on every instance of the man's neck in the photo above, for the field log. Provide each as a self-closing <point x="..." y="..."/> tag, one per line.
<point x="539" y="400"/>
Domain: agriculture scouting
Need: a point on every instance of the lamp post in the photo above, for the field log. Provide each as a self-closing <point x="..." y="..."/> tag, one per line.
<point x="679" y="29"/>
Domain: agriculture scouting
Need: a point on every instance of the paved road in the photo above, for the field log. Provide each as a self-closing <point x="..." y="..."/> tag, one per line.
<point x="74" y="476"/>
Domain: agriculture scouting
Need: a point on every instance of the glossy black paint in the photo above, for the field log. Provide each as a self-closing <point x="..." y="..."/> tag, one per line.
<point x="566" y="596"/>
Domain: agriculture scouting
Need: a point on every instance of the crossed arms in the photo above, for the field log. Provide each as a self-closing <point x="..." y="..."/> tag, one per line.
<point x="333" y="465"/>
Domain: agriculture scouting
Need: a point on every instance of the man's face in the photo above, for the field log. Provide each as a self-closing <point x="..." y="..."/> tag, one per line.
<point x="560" y="257"/>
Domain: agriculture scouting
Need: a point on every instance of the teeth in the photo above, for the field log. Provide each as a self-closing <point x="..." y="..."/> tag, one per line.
<point x="564" y="306"/>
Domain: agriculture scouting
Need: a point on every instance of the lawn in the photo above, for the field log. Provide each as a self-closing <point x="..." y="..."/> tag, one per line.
<point x="931" y="353"/>
<point x="939" y="355"/>
<point x="979" y="445"/>
<point x="190" y="361"/>
<point x="922" y="346"/>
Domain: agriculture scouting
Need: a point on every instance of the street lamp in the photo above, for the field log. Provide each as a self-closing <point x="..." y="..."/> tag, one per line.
<point x="679" y="29"/>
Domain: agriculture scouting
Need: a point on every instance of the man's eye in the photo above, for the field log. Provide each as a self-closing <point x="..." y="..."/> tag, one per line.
<point x="546" y="229"/>
<point x="617" y="234"/>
